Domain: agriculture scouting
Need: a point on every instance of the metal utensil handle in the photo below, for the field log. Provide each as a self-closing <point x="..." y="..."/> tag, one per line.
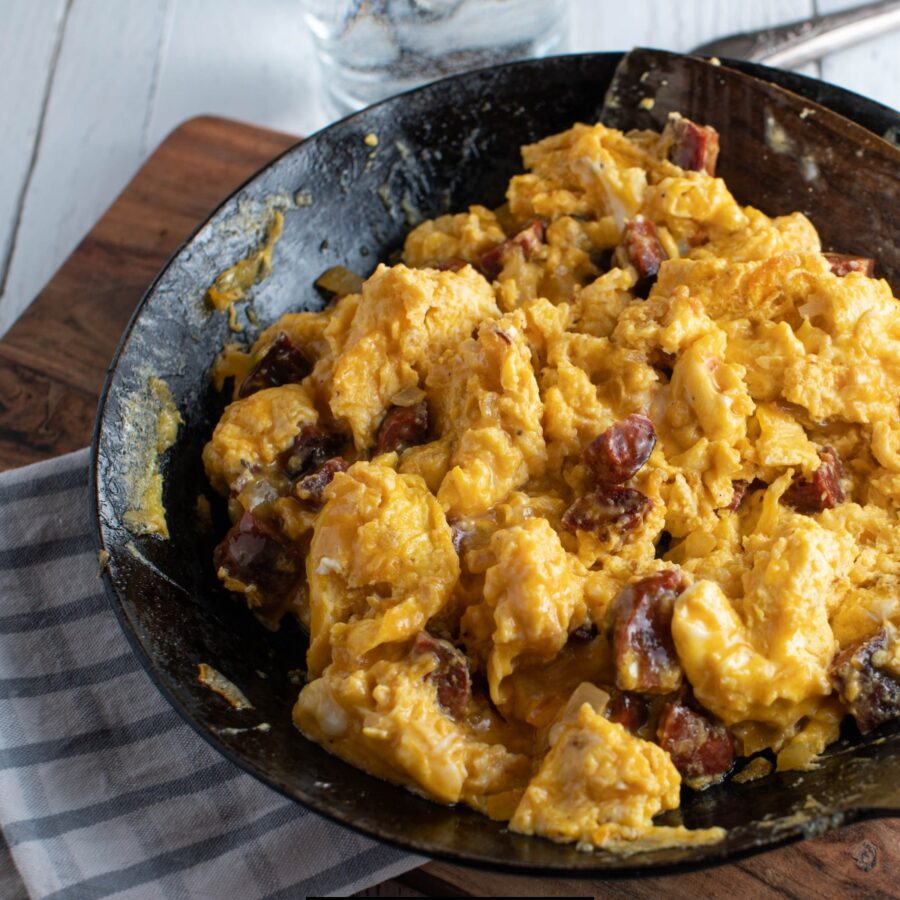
<point x="799" y="42"/>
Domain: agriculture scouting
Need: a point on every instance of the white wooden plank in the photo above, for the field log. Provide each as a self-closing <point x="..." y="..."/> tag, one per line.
<point x="672" y="25"/>
<point x="29" y="40"/>
<point x="677" y="26"/>
<point x="92" y="136"/>
<point x="871" y="69"/>
<point x="250" y="60"/>
<point x="253" y="60"/>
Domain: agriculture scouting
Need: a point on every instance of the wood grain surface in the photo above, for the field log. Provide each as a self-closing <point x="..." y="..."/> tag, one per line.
<point x="52" y="366"/>
<point x="53" y="360"/>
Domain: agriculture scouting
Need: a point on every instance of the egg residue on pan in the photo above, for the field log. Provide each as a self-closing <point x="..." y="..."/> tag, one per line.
<point x="590" y="497"/>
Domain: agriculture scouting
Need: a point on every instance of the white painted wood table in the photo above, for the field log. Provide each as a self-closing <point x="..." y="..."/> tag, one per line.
<point x="90" y="87"/>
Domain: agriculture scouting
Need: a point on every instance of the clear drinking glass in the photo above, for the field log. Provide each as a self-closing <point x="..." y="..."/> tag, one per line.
<point x="371" y="49"/>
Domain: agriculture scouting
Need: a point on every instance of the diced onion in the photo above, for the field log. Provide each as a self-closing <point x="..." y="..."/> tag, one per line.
<point x="339" y="281"/>
<point x="408" y="396"/>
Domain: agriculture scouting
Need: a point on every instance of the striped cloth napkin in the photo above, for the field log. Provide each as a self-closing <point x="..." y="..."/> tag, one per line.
<point x="104" y="790"/>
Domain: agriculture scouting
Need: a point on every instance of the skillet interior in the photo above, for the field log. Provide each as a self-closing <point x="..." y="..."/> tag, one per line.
<point x="440" y="148"/>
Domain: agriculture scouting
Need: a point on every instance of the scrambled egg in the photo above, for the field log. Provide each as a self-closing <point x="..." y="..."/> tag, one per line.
<point x="380" y="565"/>
<point x="599" y="786"/>
<point x="586" y="500"/>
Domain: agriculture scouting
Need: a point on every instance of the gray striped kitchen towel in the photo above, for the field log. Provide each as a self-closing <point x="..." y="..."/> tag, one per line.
<point x="103" y="788"/>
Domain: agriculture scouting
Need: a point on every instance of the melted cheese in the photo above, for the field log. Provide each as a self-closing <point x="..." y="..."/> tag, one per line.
<point x="381" y="563"/>
<point x="254" y="431"/>
<point x="749" y="356"/>
<point x="533" y="597"/>
<point x="600" y="786"/>
<point x="404" y="320"/>
<point x="386" y="719"/>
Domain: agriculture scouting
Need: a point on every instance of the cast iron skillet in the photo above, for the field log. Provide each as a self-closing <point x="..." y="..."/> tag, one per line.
<point x="440" y="148"/>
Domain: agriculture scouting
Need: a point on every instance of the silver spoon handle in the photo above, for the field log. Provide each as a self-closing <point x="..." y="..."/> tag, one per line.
<point x="799" y="42"/>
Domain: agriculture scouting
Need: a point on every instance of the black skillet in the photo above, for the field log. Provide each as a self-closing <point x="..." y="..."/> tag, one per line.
<point x="439" y="148"/>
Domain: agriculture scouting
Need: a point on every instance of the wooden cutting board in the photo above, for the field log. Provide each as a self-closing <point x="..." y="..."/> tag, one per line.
<point x="52" y="365"/>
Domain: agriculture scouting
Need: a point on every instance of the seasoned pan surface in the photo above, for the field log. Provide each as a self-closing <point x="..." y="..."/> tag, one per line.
<point x="439" y="148"/>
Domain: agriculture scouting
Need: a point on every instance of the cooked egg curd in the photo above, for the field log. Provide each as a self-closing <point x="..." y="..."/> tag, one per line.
<point x="588" y="498"/>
